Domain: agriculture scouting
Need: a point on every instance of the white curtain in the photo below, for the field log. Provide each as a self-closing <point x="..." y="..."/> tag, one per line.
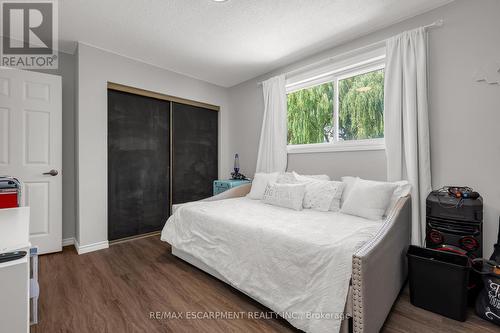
<point x="406" y="120"/>
<point x="272" y="156"/>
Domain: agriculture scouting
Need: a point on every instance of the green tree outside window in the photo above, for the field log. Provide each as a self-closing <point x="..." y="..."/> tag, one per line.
<point x="310" y="115"/>
<point x="361" y="110"/>
<point x="361" y="107"/>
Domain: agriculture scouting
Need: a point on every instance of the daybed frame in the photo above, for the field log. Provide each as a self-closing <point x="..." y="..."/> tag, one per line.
<point x="378" y="267"/>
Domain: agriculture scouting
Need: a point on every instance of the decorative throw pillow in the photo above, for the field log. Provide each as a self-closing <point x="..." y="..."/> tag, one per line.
<point x="368" y="199"/>
<point x="323" y="195"/>
<point x="337" y="198"/>
<point x="286" y="178"/>
<point x="308" y="177"/>
<point x="259" y="184"/>
<point x="285" y="195"/>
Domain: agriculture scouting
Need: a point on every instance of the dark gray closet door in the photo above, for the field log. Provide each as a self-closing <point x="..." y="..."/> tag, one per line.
<point x="194" y="151"/>
<point x="138" y="164"/>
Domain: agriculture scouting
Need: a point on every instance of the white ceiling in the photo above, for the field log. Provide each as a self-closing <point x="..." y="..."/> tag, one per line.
<point x="230" y="42"/>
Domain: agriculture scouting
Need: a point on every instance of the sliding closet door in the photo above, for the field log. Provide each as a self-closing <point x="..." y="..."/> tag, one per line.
<point x="138" y="164"/>
<point x="194" y="152"/>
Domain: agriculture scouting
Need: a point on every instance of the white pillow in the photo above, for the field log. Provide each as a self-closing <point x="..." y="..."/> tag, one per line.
<point x="285" y="195"/>
<point x="308" y="177"/>
<point x="403" y="188"/>
<point x="286" y="178"/>
<point x="349" y="184"/>
<point x="368" y="199"/>
<point x="323" y="195"/>
<point x="259" y="183"/>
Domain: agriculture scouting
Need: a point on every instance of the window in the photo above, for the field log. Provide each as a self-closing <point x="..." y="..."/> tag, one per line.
<point x="343" y="110"/>
<point x="310" y="115"/>
<point x="361" y="106"/>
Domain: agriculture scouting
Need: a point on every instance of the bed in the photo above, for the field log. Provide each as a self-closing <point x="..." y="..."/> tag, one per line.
<point x="314" y="269"/>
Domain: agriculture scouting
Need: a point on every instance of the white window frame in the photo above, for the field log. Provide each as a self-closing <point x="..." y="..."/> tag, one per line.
<point x="358" y="65"/>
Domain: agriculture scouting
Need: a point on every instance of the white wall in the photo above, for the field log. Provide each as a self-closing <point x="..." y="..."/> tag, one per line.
<point x="464" y="114"/>
<point x="67" y="72"/>
<point x="368" y="164"/>
<point x="95" y="67"/>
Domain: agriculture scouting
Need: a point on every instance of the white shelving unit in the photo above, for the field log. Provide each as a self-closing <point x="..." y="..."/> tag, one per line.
<point x="15" y="275"/>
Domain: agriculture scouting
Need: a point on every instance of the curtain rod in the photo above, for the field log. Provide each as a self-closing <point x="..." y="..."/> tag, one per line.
<point x="435" y="24"/>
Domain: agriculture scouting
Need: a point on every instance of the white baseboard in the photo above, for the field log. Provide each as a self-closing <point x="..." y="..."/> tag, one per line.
<point x="68" y="241"/>
<point x="81" y="249"/>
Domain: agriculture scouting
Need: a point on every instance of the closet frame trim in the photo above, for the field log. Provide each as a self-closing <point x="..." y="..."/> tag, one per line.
<point x="152" y="94"/>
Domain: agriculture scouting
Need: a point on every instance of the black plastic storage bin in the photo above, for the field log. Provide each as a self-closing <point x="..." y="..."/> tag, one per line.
<point x="438" y="281"/>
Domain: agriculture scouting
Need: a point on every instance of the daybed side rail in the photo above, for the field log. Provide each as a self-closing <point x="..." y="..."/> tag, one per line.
<point x="379" y="270"/>
<point x="235" y="192"/>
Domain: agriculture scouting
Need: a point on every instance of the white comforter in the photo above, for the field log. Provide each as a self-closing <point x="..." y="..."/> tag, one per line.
<point x="296" y="263"/>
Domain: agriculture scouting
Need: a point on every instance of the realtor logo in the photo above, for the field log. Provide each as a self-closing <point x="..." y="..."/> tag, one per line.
<point x="29" y="34"/>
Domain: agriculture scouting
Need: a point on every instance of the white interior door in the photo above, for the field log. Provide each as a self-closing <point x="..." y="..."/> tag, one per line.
<point x="31" y="146"/>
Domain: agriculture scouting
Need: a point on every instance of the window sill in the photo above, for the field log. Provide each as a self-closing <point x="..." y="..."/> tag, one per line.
<point x="353" y="145"/>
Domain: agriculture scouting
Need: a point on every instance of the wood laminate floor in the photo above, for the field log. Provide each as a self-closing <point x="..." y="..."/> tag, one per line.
<point x="117" y="289"/>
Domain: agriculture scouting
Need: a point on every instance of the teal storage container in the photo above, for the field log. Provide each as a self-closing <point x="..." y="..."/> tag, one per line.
<point x="224" y="185"/>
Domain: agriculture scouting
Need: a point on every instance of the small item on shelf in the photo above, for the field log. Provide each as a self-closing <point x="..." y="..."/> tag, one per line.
<point x="236" y="174"/>
<point x="236" y="163"/>
<point x="10" y="192"/>
<point x="11" y="256"/>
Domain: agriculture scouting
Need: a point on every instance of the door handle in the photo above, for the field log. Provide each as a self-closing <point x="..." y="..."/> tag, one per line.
<point x="51" y="173"/>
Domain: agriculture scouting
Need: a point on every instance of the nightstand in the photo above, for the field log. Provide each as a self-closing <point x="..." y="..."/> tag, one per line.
<point x="226" y="184"/>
